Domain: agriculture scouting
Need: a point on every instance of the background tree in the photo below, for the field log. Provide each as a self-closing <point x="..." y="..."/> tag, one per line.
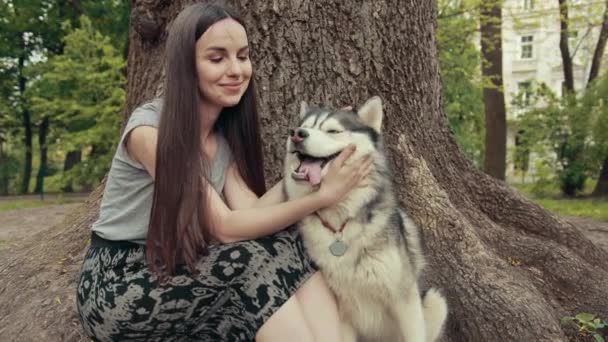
<point x="31" y="32"/>
<point x="568" y="133"/>
<point x="460" y="67"/>
<point x="510" y="270"/>
<point x="495" y="161"/>
<point x="574" y="173"/>
<point x="80" y="92"/>
<point x="601" y="188"/>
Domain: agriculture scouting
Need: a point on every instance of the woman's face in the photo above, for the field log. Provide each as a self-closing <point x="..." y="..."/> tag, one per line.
<point x="222" y="63"/>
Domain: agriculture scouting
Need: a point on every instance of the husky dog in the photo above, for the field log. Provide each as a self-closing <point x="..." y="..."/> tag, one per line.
<point x="366" y="246"/>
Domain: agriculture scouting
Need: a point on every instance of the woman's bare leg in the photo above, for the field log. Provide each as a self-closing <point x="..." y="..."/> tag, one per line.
<point x="286" y="324"/>
<point x="320" y="309"/>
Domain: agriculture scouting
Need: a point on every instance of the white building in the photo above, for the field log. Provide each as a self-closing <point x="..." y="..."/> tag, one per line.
<point x="531" y="54"/>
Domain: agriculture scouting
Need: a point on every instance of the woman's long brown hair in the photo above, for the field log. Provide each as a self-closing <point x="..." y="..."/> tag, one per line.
<point x="179" y="226"/>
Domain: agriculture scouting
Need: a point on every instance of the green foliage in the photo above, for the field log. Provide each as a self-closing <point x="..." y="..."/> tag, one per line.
<point x="31" y="33"/>
<point x="111" y="18"/>
<point x="587" y="324"/>
<point x="459" y="61"/>
<point x="569" y="133"/>
<point x="82" y="91"/>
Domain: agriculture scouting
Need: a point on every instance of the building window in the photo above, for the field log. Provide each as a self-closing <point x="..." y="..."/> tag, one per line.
<point x="528" y="4"/>
<point x="525" y="91"/>
<point x="527" y="51"/>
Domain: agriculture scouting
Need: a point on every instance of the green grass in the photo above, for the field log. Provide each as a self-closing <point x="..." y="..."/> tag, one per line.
<point x="593" y="208"/>
<point x="22" y="203"/>
<point x="552" y="200"/>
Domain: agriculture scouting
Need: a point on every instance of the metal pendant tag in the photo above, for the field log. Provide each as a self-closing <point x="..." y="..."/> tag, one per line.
<point x="338" y="248"/>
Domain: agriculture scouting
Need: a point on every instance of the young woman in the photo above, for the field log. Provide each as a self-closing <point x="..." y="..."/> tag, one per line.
<point x="188" y="244"/>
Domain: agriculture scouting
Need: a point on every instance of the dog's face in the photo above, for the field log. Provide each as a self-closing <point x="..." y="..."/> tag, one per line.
<point x="320" y="137"/>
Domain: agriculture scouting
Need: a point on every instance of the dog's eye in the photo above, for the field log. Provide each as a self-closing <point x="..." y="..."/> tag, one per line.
<point x="333" y="131"/>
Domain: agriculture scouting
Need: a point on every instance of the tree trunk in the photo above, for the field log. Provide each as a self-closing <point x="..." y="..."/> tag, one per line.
<point x="563" y="46"/>
<point x="601" y="188"/>
<point x="26" y="120"/>
<point x="495" y="161"/>
<point x="596" y="62"/>
<point x="509" y="269"/>
<point x="71" y="159"/>
<point x="3" y="174"/>
<point x="42" y="134"/>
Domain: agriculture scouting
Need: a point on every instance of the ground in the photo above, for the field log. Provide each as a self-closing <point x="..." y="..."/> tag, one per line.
<point x="22" y="223"/>
<point x="17" y="225"/>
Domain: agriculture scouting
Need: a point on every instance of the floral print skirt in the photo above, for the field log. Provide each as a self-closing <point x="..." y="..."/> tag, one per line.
<point x="238" y="286"/>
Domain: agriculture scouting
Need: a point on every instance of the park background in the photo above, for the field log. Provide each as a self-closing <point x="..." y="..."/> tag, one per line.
<point x="523" y="86"/>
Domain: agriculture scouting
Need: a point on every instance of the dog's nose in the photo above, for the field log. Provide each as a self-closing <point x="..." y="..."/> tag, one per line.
<point x="302" y="133"/>
<point x="298" y="135"/>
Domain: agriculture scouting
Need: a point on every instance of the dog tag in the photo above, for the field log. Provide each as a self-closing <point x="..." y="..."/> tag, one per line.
<point x="338" y="248"/>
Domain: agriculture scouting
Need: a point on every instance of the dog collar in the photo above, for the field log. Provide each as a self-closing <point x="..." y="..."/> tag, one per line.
<point x="329" y="226"/>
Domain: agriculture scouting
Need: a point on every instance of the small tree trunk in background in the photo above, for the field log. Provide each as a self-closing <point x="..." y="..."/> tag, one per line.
<point x="26" y="120"/>
<point x="4" y="175"/>
<point x="42" y="135"/>
<point x="563" y="46"/>
<point x="509" y="269"/>
<point x="596" y="62"/>
<point x="495" y="161"/>
<point x="601" y="188"/>
<point x="71" y="159"/>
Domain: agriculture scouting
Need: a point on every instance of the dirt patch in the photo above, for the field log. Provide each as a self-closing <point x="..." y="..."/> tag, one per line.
<point x="596" y="231"/>
<point x="15" y="225"/>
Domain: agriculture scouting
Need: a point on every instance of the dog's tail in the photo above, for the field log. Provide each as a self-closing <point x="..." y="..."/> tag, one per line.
<point x="435" y="313"/>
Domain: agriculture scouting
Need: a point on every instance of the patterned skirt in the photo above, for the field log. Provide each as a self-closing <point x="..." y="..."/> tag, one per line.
<point x="237" y="288"/>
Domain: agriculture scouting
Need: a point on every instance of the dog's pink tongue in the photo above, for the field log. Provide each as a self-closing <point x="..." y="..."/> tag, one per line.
<point x="312" y="168"/>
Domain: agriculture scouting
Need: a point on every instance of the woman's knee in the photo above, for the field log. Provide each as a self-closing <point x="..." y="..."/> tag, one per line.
<point x="286" y="324"/>
<point x="316" y="284"/>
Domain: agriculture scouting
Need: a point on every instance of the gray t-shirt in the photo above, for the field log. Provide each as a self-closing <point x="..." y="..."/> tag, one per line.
<point x="127" y="199"/>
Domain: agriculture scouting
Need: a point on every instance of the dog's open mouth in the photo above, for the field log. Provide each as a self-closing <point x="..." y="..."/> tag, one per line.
<point x="310" y="167"/>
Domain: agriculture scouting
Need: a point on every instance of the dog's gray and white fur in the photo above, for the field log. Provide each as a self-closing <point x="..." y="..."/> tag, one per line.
<point x="376" y="280"/>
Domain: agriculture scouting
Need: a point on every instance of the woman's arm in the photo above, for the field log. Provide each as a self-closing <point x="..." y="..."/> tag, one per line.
<point x="241" y="224"/>
<point x="250" y="223"/>
<point x="239" y="196"/>
<point x="229" y="225"/>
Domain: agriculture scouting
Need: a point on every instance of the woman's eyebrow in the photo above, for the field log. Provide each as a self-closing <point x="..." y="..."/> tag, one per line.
<point x="223" y="49"/>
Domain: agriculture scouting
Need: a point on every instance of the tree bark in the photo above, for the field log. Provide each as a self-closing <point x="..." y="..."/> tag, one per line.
<point x="509" y="269"/>
<point x="563" y="46"/>
<point x="42" y="134"/>
<point x="495" y="157"/>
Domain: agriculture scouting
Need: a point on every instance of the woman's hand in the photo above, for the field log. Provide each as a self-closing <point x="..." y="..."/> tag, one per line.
<point x="341" y="178"/>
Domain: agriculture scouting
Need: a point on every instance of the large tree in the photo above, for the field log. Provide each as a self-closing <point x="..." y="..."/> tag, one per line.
<point x="509" y="269"/>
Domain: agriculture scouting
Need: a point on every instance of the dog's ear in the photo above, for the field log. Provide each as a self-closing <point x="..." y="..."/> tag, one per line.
<point x="303" y="109"/>
<point x="371" y="113"/>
